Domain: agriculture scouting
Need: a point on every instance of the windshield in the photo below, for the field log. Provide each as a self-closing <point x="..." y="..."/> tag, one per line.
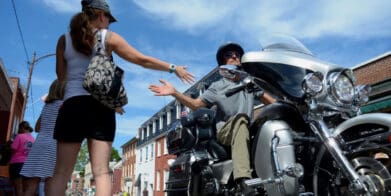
<point x="284" y="43"/>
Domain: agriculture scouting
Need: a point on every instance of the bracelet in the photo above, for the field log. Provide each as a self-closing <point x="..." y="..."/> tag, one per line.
<point x="172" y="68"/>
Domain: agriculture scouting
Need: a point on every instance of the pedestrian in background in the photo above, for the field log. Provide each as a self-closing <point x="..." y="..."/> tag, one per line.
<point x="42" y="157"/>
<point x="21" y="147"/>
<point x="82" y="116"/>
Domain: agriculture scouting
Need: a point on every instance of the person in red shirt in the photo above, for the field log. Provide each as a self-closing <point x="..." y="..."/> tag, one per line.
<point x="20" y="149"/>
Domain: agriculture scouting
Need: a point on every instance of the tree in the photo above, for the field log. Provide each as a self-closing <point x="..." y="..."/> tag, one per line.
<point x="115" y="155"/>
<point x="83" y="157"/>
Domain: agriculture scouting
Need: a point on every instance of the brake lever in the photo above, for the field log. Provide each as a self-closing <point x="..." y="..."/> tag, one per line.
<point x="247" y="82"/>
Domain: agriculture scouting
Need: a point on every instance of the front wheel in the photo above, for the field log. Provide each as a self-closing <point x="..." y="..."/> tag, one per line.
<point x="329" y="180"/>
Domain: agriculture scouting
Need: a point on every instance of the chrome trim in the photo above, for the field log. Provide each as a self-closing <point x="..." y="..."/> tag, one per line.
<point x="373" y="118"/>
<point x="332" y="90"/>
<point x="332" y="146"/>
<point x="289" y="58"/>
<point x="307" y="77"/>
<point x="275" y="141"/>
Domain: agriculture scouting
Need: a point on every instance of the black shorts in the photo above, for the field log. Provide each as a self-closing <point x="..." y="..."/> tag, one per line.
<point x="14" y="170"/>
<point x="83" y="117"/>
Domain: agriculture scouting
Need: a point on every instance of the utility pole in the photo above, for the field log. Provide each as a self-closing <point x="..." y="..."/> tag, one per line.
<point x="31" y="69"/>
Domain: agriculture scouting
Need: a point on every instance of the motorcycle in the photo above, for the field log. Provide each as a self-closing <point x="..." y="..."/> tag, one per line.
<point x="312" y="141"/>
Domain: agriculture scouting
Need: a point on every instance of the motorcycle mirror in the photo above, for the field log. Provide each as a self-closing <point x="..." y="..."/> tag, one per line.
<point x="232" y="72"/>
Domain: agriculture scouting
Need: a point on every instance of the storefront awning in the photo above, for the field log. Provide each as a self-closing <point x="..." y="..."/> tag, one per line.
<point x="376" y="106"/>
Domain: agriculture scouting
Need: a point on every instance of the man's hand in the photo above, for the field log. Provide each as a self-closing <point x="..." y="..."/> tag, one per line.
<point x="162" y="90"/>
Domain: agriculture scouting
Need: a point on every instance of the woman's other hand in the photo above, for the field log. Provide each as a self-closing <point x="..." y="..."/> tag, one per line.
<point x="120" y="110"/>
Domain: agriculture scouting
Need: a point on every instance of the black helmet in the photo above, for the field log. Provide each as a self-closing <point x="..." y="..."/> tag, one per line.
<point x="230" y="46"/>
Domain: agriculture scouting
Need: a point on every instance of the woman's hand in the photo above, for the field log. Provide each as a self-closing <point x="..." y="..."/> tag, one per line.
<point x="184" y="75"/>
<point x="120" y="110"/>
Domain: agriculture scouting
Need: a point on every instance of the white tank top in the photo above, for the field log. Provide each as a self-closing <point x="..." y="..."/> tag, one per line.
<point x="77" y="64"/>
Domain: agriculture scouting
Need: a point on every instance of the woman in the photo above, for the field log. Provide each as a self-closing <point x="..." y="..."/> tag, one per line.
<point x="42" y="157"/>
<point x="20" y="149"/>
<point x="82" y="116"/>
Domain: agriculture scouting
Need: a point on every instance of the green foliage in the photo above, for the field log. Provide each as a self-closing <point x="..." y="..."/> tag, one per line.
<point x="83" y="157"/>
<point x="115" y="155"/>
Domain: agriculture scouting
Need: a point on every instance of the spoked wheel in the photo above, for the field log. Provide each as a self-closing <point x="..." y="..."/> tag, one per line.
<point x="374" y="175"/>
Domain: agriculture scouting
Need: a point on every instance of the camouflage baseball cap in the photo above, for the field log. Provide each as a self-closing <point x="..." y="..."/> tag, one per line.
<point x="100" y="5"/>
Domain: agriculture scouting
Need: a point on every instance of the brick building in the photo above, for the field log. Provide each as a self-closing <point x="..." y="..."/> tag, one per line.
<point x="377" y="73"/>
<point x="151" y="151"/>
<point x="128" y="167"/>
<point x="117" y="178"/>
<point x="161" y="167"/>
<point x="12" y="97"/>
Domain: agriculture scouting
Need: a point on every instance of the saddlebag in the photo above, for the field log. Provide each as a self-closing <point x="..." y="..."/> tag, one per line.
<point x="180" y="140"/>
<point x="180" y="174"/>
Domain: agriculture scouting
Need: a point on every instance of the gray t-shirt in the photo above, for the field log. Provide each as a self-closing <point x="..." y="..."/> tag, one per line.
<point x="240" y="102"/>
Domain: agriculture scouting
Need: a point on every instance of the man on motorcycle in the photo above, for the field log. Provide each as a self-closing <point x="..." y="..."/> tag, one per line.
<point x="233" y="112"/>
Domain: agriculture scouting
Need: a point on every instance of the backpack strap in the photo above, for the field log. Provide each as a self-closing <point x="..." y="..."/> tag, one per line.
<point x="100" y="46"/>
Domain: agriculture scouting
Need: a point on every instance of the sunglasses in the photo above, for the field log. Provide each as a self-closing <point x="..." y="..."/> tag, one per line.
<point x="231" y="54"/>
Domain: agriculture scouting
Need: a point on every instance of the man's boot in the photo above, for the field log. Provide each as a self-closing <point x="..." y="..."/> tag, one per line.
<point x="243" y="188"/>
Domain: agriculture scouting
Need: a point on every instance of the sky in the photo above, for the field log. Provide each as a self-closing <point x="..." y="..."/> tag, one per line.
<point x="188" y="32"/>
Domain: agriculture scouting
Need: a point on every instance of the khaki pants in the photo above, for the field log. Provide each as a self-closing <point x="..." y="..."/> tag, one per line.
<point x="235" y="133"/>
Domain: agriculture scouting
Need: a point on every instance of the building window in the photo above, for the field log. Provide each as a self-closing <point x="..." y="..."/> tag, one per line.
<point x="164" y="122"/>
<point x="152" y="151"/>
<point x="145" y="133"/>
<point x="161" y="122"/>
<point x="146" y="185"/>
<point x="168" y="117"/>
<point x="158" y="127"/>
<point x="165" y="148"/>
<point x="165" y="179"/>
<point x="158" y="180"/>
<point x="154" y="126"/>
<point x="158" y="148"/>
<point x="148" y="130"/>
<point x="178" y="111"/>
<point x="151" y="129"/>
<point x="141" y="155"/>
<point x="146" y="153"/>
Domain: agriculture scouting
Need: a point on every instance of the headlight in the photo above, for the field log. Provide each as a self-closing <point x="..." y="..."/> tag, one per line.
<point x="362" y="94"/>
<point x="312" y="83"/>
<point x="342" y="88"/>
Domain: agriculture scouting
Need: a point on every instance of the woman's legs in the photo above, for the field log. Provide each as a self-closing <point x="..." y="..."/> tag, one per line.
<point x="31" y="186"/>
<point x="16" y="178"/>
<point x="66" y="158"/>
<point x="100" y="152"/>
<point x="18" y="185"/>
